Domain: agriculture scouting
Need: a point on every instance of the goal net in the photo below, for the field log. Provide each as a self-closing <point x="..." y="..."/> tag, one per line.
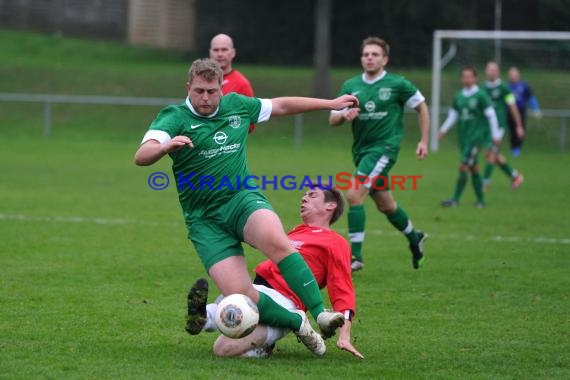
<point x="542" y="57"/>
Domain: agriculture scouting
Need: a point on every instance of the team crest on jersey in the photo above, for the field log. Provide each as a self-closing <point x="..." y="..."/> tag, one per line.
<point x="220" y="138"/>
<point x="496" y="93"/>
<point x="384" y="93"/>
<point x="370" y="106"/>
<point x="234" y="121"/>
<point x="472" y="103"/>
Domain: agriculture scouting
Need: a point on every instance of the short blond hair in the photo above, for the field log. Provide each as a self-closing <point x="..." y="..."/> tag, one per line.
<point x="206" y="68"/>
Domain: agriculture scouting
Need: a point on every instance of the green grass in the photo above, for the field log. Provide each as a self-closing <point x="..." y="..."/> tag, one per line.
<point x="95" y="265"/>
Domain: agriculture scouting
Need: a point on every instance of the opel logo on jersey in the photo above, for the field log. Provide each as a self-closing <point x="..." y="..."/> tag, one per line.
<point x="370" y="106"/>
<point x="220" y="138"/>
<point x="384" y="93"/>
<point x="234" y="121"/>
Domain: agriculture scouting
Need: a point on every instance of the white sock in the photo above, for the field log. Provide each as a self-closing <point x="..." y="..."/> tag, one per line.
<point x="211" y="310"/>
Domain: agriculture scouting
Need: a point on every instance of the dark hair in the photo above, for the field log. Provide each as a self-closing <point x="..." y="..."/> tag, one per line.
<point x="332" y="194"/>
<point x="206" y="68"/>
<point x="469" y="68"/>
<point x="376" y="41"/>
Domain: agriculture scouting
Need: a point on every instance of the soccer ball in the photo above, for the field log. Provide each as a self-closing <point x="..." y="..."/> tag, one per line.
<point x="237" y="316"/>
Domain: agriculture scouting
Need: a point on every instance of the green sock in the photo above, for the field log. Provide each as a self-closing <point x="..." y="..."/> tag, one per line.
<point x="478" y="186"/>
<point x="507" y="169"/>
<point x="301" y="280"/>
<point x="488" y="171"/>
<point x="356" y="223"/>
<point x="461" y="182"/>
<point x="273" y="314"/>
<point x="402" y="222"/>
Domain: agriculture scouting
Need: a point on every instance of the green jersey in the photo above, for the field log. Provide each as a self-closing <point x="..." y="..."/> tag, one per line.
<point x="215" y="169"/>
<point x="470" y="105"/>
<point x="501" y="97"/>
<point x="379" y="126"/>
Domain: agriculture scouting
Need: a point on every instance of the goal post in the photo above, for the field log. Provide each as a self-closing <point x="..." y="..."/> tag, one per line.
<point x="439" y="62"/>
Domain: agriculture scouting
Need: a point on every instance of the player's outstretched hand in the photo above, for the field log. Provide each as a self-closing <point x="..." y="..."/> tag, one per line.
<point x="421" y="150"/>
<point x="345" y="345"/>
<point x="178" y="143"/>
<point x="344" y="101"/>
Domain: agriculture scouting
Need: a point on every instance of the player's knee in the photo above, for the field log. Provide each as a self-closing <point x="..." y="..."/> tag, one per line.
<point x="354" y="198"/>
<point x="222" y="349"/>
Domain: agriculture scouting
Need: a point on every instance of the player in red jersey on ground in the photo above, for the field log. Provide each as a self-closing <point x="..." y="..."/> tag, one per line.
<point x="328" y="256"/>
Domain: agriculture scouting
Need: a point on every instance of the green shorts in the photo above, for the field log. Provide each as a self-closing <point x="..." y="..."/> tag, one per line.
<point x="220" y="234"/>
<point x="469" y="152"/>
<point x="373" y="171"/>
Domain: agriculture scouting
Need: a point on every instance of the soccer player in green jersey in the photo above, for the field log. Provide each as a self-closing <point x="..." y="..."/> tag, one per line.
<point x="503" y="100"/>
<point x="378" y="128"/>
<point x="477" y="119"/>
<point x="205" y="138"/>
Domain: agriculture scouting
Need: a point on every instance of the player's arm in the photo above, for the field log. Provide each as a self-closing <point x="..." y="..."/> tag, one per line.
<point x="294" y="105"/>
<point x="337" y="118"/>
<point x="153" y="150"/>
<point x="491" y="116"/>
<point x="452" y="116"/>
<point x="343" y="341"/>
<point x="423" y="119"/>
<point x="511" y="103"/>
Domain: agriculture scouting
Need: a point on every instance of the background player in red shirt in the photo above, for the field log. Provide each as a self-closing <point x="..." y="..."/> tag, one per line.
<point x="328" y="256"/>
<point x="222" y="51"/>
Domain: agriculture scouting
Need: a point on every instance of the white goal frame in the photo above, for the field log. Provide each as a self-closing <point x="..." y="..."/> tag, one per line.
<point x="437" y="59"/>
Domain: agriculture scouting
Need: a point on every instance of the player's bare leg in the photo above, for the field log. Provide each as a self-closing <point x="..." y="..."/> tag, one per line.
<point x="356" y="222"/>
<point x="399" y="219"/>
<point x="224" y="346"/>
<point x="264" y="231"/>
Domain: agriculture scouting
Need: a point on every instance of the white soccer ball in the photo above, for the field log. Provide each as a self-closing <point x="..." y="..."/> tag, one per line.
<point x="237" y="316"/>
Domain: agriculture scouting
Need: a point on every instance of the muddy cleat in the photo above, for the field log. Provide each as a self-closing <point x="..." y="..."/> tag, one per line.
<point x="449" y="203"/>
<point x="309" y="337"/>
<point x="356" y="265"/>
<point x="517" y="181"/>
<point x="197" y="300"/>
<point x="418" y="251"/>
<point x="328" y="322"/>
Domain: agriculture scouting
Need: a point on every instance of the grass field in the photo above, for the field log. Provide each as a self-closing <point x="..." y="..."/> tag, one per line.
<point x="94" y="265"/>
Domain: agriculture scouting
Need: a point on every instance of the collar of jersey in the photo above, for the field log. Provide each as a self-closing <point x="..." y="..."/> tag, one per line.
<point x="470" y="91"/>
<point x="189" y="105"/>
<point x="495" y="83"/>
<point x="368" y="81"/>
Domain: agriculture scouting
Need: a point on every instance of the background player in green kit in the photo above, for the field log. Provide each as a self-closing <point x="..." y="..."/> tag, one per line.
<point x="205" y="138"/>
<point x="473" y="110"/>
<point x="503" y="100"/>
<point x="378" y="128"/>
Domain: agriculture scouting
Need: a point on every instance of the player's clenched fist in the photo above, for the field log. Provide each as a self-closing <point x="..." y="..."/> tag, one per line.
<point x="177" y="143"/>
<point x="344" y="101"/>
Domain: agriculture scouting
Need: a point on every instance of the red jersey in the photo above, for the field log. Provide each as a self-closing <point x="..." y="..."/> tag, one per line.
<point x="236" y="82"/>
<point x="328" y="256"/>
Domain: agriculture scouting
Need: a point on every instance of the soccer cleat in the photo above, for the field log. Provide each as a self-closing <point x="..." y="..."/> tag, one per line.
<point x="197" y="300"/>
<point x="328" y="322"/>
<point x="356" y="265"/>
<point x="309" y="337"/>
<point x="517" y="181"/>
<point x="516" y="152"/>
<point x="479" y="204"/>
<point x="418" y="251"/>
<point x="260" y="352"/>
<point x="449" y="203"/>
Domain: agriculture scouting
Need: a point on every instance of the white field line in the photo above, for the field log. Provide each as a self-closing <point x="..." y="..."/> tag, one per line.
<point x="121" y="221"/>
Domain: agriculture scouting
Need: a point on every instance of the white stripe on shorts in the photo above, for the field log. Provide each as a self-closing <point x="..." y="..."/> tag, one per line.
<point x="378" y="168"/>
